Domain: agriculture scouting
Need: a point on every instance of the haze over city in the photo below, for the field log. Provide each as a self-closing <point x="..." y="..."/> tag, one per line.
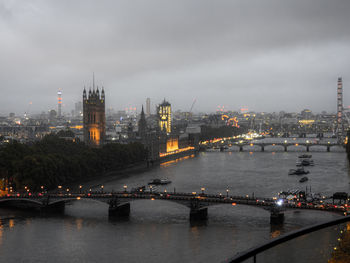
<point x="267" y="56"/>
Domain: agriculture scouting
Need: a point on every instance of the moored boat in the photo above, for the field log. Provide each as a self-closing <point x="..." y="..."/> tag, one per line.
<point x="305" y="156"/>
<point x="303" y="179"/>
<point x="305" y="162"/>
<point x="299" y="171"/>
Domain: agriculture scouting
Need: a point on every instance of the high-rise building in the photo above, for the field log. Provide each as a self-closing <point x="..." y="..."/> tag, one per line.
<point x="340" y="128"/>
<point x="94" y="118"/>
<point x="164" y="116"/>
<point x="59" y="106"/>
<point x="148" y="107"/>
<point x="78" y="108"/>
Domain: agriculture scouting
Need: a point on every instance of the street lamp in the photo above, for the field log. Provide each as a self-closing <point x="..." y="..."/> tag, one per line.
<point x="102" y="188"/>
<point x="150" y="188"/>
<point x="227" y="192"/>
<point x="80" y="187"/>
<point x="203" y="189"/>
<point x="125" y="187"/>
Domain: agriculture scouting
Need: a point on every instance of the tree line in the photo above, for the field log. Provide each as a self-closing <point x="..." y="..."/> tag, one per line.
<point x="55" y="161"/>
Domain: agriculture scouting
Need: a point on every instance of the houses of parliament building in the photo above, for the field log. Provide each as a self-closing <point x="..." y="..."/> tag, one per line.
<point x="94" y="118"/>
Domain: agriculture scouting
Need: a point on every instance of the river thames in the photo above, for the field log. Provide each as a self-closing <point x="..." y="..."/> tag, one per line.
<point x="159" y="231"/>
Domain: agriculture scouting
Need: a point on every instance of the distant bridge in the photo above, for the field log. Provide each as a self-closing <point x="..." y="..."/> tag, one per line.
<point x="284" y="145"/>
<point x="119" y="202"/>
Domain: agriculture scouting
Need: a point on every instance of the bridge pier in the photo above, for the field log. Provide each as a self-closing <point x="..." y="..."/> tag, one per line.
<point x="197" y="212"/>
<point x="276" y="217"/>
<point x="117" y="209"/>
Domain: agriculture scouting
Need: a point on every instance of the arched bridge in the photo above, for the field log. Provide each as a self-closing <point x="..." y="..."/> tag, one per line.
<point x="119" y="202"/>
<point x="286" y="145"/>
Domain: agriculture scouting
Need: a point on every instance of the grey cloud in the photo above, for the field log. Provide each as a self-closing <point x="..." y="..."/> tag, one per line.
<point x="243" y="50"/>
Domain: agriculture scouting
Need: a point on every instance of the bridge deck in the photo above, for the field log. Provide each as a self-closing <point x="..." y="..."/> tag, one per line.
<point x="203" y="200"/>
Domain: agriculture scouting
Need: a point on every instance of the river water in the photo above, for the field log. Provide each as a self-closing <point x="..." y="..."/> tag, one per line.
<point x="159" y="231"/>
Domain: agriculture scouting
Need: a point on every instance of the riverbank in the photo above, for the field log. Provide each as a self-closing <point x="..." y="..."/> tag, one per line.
<point x="100" y="180"/>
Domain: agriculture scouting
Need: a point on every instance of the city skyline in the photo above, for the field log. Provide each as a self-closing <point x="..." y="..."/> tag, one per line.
<point x="267" y="56"/>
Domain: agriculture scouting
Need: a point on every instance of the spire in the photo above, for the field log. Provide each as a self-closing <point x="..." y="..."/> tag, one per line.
<point x="103" y="94"/>
<point x="93" y="80"/>
<point x="97" y="93"/>
<point x="142" y="124"/>
<point x="84" y="93"/>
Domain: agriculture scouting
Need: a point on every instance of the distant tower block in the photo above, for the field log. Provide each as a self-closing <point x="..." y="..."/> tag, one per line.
<point x="164" y="116"/>
<point x="340" y="128"/>
<point x="59" y="100"/>
<point x="94" y="118"/>
<point x="148" y="106"/>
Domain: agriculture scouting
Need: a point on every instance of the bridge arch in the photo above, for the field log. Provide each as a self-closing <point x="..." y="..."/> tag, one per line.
<point x="70" y="200"/>
<point x="296" y="148"/>
<point x="274" y="148"/>
<point x="336" y="148"/>
<point x="234" y="148"/>
<point x="17" y="201"/>
<point x="318" y="148"/>
<point x="252" y="147"/>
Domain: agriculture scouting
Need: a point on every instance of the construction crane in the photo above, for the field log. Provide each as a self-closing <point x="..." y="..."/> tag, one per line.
<point x="194" y="101"/>
<point x="189" y="117"/>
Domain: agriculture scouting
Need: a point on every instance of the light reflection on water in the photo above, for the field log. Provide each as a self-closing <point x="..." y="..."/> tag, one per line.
<point x="160" y="230"/>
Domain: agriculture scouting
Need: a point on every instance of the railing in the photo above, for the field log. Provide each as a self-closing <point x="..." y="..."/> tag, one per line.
<point x="253" y="252"/>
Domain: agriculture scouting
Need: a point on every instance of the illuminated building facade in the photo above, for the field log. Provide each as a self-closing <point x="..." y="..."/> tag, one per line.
<point x="94" y="118"/>
<point x="172" y="144"/>
<point x="164" y="116"/>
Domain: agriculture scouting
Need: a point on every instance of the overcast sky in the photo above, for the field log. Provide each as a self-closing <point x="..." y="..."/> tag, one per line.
<point x="267" y="55"/>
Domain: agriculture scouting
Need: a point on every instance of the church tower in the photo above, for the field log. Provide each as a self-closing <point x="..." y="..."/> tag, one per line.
<point x="94" y="118"/>
<point x="142" y="125"/>
<point x="164" y="116"/>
